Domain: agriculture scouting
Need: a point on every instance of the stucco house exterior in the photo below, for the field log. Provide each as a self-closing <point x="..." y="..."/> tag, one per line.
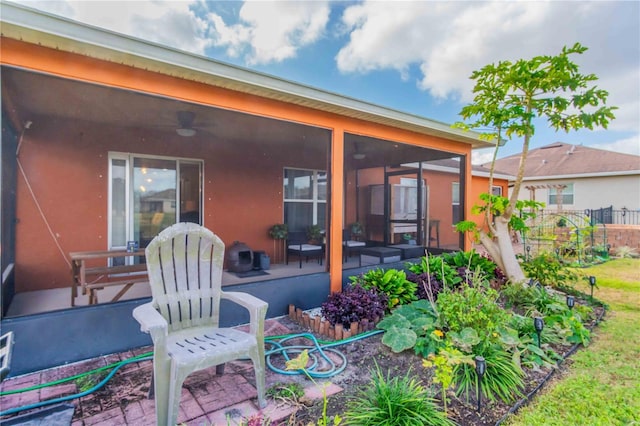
<point x="108" y="139"/>
<point x="586" y="178"/>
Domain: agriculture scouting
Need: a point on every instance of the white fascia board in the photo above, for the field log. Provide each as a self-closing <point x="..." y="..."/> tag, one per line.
<point x="119" y="48"/>
<point x="584" y="175"/>
<point x="495" y="175"/>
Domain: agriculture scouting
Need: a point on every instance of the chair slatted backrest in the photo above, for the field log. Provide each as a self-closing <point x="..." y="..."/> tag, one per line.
<point x="297" y="237"/>
<point x="185" y="274"/>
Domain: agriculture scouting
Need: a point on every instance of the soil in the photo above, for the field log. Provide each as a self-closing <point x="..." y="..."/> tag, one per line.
<point x="363" y="356"/>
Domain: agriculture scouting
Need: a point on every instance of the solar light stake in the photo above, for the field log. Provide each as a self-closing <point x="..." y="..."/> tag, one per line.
<point x="592" y="283"/>
<point x="538" y="324"/>
<point x="570" y="302"/>
<point x="481" y="367"/>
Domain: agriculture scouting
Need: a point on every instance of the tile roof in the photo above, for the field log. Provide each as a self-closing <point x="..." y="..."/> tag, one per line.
<point x="563" y="159"/>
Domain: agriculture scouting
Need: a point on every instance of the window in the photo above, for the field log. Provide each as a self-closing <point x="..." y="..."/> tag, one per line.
<point x="566" y="195"/>
<point x="496" y="190"/>
<point x="149" y="194"/>
<point x="305" y="198"/>
<point x="455" y="202"/>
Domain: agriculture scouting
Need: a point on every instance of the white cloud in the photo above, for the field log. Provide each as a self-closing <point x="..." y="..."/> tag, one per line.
<point x="627" y="146"/>
<point x="272" y="31"/>
<point x="389" y="37"/>
<point x="481" y="156"/>
<point x="448" y="40"/>
<point x="171" y="23"/>
<point x="266" y="31"/>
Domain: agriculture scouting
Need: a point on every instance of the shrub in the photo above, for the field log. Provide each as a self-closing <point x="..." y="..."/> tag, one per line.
<point x="549" y="271"/>
<point x="355" y="303"/>
<point x="393" y="401"/>
<point x="391" y="282"/>
<point x="474" y="307"/>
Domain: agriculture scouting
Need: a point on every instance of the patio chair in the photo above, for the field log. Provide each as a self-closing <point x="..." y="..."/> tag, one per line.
<point x="351" y="246"/>
<point x="185" y="270"/>
<point x="298" y="245"/>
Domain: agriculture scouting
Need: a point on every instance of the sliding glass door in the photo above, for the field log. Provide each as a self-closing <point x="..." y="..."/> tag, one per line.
<point x="149" y="194"/>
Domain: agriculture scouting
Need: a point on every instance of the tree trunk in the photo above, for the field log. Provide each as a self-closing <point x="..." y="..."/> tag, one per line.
<point x="508" y="256"/>
<point x="492" y="248"/>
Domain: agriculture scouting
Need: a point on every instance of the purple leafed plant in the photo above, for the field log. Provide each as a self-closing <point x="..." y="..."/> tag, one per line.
<point x="428" y="287"/>
<point x="354" y="304"/>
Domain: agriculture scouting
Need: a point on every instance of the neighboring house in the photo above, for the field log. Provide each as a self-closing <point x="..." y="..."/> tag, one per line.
<point x="575" y="177"/>
<point x="108" y="139"/>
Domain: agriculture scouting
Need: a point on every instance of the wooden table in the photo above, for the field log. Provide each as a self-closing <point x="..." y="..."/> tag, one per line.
<point x="91" y="271"/>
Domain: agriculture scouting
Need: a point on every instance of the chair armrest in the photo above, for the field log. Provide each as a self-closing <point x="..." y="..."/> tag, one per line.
<point x="151" y="321"/>
<point x="257" y="308"/>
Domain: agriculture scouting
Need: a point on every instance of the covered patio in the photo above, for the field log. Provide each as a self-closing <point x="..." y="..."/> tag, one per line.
<point x="109" y="139"/>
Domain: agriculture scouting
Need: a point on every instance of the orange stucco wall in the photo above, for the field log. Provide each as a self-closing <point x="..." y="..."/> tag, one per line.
<point x="480" y="185"/>
<point x="66" y="167"/>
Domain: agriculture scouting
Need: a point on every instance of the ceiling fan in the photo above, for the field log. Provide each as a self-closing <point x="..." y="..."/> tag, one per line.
<point x="185" y="123"/>
<point x="357" y="154"/>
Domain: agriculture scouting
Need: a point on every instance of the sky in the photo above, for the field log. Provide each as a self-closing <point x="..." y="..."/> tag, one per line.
<point x="411" y="56"/>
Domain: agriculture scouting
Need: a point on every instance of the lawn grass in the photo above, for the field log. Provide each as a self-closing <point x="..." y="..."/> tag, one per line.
<point x="602" y="386"/>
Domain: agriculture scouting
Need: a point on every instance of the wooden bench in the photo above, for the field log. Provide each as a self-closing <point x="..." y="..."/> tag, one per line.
<point x="93" y="278"/>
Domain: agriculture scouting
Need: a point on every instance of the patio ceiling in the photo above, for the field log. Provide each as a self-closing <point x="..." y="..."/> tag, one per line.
<point x="30" y="96"/>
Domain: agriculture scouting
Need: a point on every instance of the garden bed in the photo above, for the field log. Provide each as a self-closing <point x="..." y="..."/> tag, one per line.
<point x="369" y="353"/>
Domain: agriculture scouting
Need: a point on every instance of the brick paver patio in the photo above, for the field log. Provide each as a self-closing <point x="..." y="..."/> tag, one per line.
<point x="207" y="399"/>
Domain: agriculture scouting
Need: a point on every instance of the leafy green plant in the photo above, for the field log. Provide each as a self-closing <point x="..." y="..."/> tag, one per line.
<point x="286" y="391"/>
<point x="392" y="282"/>
<point x="532" y="299"/>
<point x="443" y="363"/>
<point x="314" y="233"/>
<point x="435" y="265"/>
<point x="524" y="346"/>
<point x="474" y="307"/>
<point x="523" y="326"/>
<point x="548" y="270"/>
<point x="412" y="326"/>
<point x="571" y="322"/>
<point x="503" y="379"/>
<point x="394" y="401"/>
<point x="356" y="229"/>
<point x="472" y="262"/>
<point x="279" y="231"/>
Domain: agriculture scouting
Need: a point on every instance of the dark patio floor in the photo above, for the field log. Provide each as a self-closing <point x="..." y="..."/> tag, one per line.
<point x="207" y="399"/>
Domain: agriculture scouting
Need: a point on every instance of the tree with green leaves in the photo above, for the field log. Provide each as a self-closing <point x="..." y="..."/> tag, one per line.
<point x="509" y="96"/>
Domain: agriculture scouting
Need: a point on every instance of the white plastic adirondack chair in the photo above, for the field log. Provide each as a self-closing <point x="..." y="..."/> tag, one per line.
<point x="185" y="271"/>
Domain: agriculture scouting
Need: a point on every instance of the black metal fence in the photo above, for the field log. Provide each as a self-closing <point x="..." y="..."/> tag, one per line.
<point x="602" y="216"/>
